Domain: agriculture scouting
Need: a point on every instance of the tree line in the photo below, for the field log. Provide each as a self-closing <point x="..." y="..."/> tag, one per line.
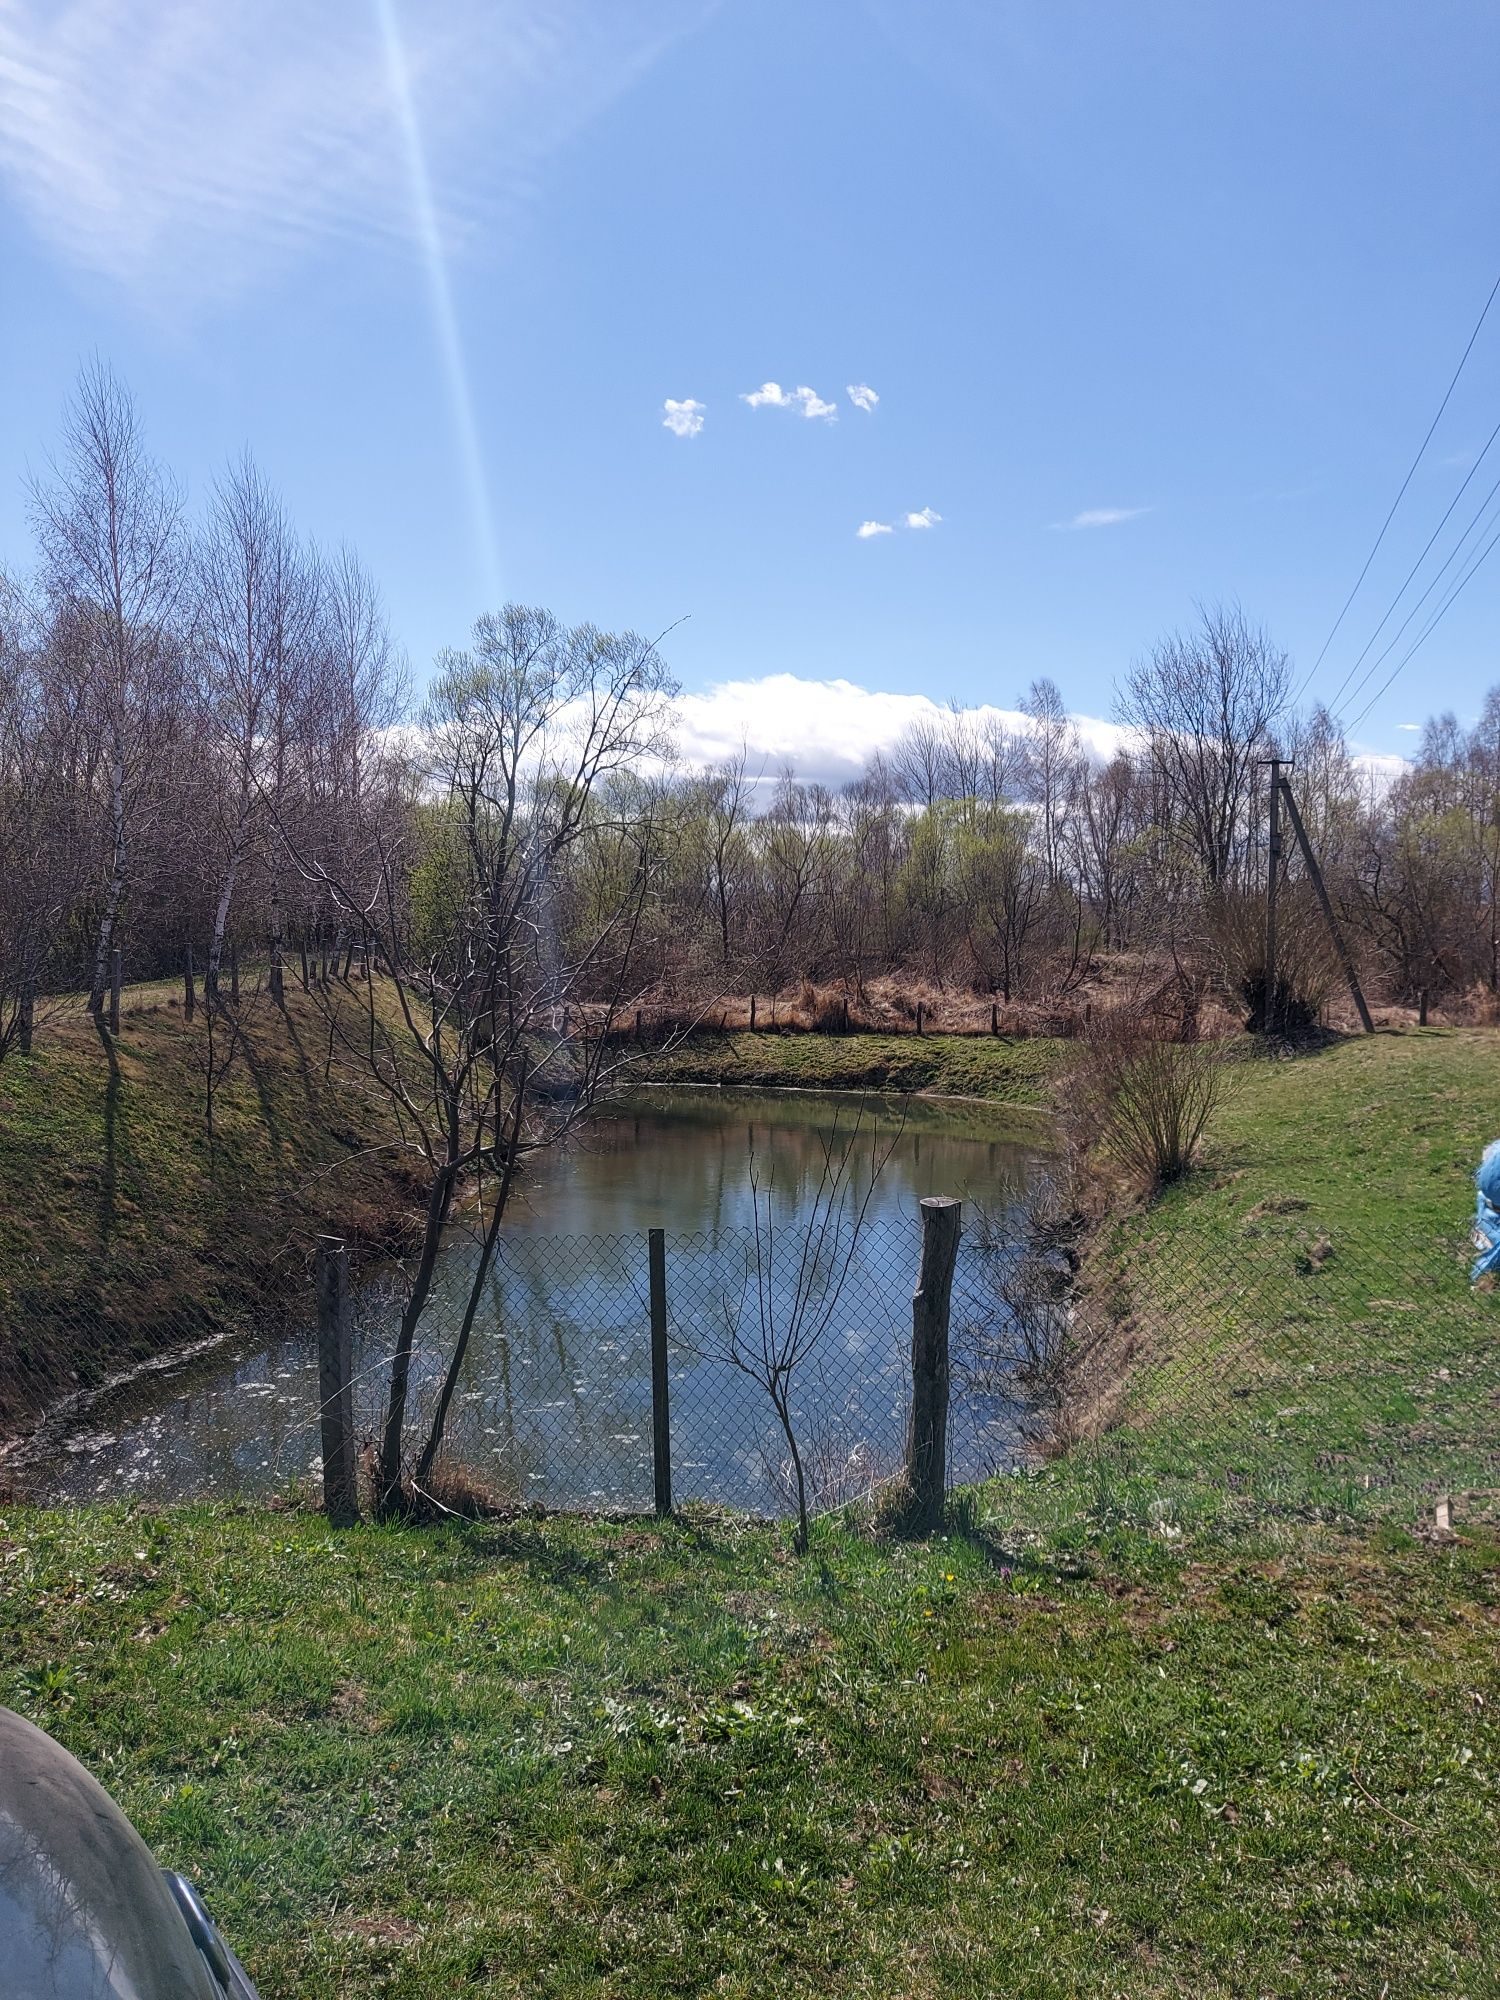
<point x="206" y="735"/>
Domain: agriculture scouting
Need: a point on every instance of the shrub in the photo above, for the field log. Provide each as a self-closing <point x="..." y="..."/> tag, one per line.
<point x="1144" y="1100"/>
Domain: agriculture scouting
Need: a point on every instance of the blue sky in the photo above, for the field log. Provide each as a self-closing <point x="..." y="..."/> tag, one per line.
<point x="1206" y="269"/>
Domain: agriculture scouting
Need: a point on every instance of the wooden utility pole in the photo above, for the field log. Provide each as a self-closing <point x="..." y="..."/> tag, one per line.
<point x="1326" y="907"/>
<point x="1270" y="1013"/>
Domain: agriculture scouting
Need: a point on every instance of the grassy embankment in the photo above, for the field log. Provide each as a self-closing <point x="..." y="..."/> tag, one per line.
<point x="1013" y="1071"/>
<point x="121" y="1231"/>
<point x="1047" y="1755"/>
<point x="1305" y="1337"/>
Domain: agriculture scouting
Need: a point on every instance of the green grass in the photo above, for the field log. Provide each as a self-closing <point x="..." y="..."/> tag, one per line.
<point x="1291" y="1331"/>
<point x="1197" y="1712"/>
<point x="121" y="1231"/>
<point x="571" y="1758"/>
<point x="1012" y="1071"/>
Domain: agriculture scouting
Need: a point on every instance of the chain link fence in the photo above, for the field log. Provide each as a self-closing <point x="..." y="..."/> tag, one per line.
<point x="1283" y="1370"/>
<point x="1279" y="1370"/>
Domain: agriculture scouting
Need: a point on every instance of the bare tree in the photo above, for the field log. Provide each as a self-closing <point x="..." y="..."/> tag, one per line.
<point x="109" y="528"/>
<point x="39" y="875"/>
<point x="772" y="1329"/>
<point x="254" y="628"/>
<point x="1207" y="702"/>
<point x="474" y="1034"/>
<point x="1051" y="757"/>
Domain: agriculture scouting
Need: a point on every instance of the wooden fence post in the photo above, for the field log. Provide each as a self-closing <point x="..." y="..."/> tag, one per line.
<point x="114" y="993"/>
<point x="1422" y="1007"/>
<point x="661" y="1415"/>
<point x="336" y="1382"/>
<point x="927" y="1437"/>
<point x="919" y="1017"/>
<point x="994" y="1018"/>
<point x="188" y="991"/>
<point x="752" y="1013"/>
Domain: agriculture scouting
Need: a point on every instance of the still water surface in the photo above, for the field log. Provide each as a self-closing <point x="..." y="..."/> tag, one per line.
<point x="555" y="1404"/>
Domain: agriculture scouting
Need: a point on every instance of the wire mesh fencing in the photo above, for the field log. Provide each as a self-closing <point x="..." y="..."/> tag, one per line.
<point x="1286" y="1370"/>
<point x="1282" y="1370"/>
<point x="781" y="1353"/>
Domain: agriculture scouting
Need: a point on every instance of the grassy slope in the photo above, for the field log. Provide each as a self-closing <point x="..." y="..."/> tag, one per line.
<point x="1015" y="1071"/>
<point x="1310" y="1336"/>
<point x="568" y="1757"/>
<point x="119" y="1232"/>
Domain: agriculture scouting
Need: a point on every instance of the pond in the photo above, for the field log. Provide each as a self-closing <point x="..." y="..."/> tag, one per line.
<point x="555" y="1402"/>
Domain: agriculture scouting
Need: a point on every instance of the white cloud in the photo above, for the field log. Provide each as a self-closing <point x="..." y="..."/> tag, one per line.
<point x="185" y="151"/>
<point x="684" y="419"/>
<point x="771" y="396"/>
<point x="1411" y="728"/>
<point x="862" y="396"/>
<point x="868" y="528"/>
<point x="1101" y="517"/>
<point x="927" y="518"/>
<point x="827" y="730"/>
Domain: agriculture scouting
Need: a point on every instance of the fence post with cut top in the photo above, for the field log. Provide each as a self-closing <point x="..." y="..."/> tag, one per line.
<point x="336" y="1382"/>
<point x="661" y="1415"/>
<point x="927" y="1435"/>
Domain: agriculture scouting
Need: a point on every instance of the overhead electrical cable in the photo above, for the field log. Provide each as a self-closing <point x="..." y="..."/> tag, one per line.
<point x="1432" y="623"/>
<point x="1452" y="556"/>
<point x="1337" y="695"/>
<point x="1401" y="493"/>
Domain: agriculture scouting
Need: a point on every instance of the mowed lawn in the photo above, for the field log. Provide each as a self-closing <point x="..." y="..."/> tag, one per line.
<point x="1072" y="1748"/>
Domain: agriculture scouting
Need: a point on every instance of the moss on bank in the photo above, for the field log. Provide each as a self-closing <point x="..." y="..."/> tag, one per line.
<point x="122" y="1231"/>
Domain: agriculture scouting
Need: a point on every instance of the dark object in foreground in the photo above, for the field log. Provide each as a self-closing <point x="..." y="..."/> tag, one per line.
<point x="85" y="1913"/>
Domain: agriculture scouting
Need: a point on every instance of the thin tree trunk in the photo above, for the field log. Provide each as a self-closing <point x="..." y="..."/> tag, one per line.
<point x="221" y="918"/>
<point x="116" y="890"/>
<point x="388" y="1484"/>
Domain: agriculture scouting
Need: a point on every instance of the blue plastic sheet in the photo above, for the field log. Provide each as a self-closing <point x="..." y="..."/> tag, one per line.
<point x="1487" y="1211"/>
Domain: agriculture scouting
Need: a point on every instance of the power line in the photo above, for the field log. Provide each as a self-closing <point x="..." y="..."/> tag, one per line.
<point x="1337" y="694"/>
<point x="1401" y="494"/>
<point x="1429" y="629"/>
<point x="1452" y="556"/>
